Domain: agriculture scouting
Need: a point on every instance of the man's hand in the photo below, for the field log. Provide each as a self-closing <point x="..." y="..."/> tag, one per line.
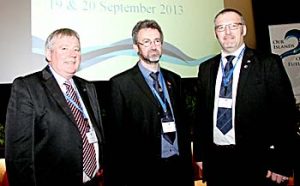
<point x="277" y="177"/>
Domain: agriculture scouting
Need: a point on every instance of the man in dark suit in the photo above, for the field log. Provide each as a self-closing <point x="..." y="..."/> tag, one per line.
<point x="44" y="144"/>
<point x="148" y="141"/>
<point x="245" y="131"/>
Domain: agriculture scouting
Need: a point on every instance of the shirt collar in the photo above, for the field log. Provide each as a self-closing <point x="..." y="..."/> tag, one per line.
<point x="235" y="53"/>
<point x="60" y="80"/>
<point x="146" y="72"/>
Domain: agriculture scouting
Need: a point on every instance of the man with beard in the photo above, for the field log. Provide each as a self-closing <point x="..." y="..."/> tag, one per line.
<point x="246" y="127"/>
<point x="148" y="142"/>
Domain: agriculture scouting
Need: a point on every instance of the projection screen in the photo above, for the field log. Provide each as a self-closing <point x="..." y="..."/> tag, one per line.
<point x="105" y="29"/>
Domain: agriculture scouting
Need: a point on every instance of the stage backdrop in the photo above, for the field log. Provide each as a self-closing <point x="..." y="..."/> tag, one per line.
<point x="105" y="29"/>
<point x="285" y="41"/>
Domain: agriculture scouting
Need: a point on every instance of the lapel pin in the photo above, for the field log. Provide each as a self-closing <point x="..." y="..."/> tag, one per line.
<point x="169" y="84"/>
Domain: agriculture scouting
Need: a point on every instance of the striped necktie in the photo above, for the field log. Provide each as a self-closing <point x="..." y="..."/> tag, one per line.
<point x="224" y="118"/>
<point x="89" y="155"/>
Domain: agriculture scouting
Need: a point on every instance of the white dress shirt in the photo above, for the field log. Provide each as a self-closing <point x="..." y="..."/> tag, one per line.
<point x="219" y="137"/>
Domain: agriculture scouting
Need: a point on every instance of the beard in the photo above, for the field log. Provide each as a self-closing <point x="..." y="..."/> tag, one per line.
<point x="150" y="58"/>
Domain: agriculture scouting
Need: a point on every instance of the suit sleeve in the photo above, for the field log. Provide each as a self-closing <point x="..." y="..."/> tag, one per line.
<point x="115" y="149"/>
<point x="20" y="121"/>
<point x="97" y="112"/>
<point x="282" y="103"/>
<point x="201" y="113"/>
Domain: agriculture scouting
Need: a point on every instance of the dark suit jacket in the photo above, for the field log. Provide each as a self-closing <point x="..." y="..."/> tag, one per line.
<point x="264" y="112"/>
<point x="134" y="136"/>
<point x="43" y="145"/>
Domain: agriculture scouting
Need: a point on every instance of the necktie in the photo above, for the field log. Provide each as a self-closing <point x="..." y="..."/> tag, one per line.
<point x="224" y="118"/>
<point x="89" y="155"/>
<point x="169" y="136"/>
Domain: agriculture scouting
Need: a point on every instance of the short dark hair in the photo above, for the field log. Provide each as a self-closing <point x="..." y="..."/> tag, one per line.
<point x="145" y="24"/>
<point x="230" y="10"/>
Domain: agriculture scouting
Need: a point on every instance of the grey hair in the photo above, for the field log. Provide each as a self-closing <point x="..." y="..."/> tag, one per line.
<point x="60" y="33"/>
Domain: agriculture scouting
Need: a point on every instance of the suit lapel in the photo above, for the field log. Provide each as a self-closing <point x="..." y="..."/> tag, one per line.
<point x="91" y="108"/>
<point x="83" y="91"/>
<point x="214" y="71"/>
<point x="139" y="79"/>
<point x="170" y="82"/>
<point x="246" y="67"/>
<point x="54" y="89"/>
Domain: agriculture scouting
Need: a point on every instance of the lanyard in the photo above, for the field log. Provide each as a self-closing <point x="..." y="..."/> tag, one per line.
<point x="230" y="74"/>
<point x="162" y="103"/>
<point x="69" y="99"/>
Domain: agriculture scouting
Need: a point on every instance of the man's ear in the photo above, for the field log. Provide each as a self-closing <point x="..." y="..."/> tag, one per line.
<point x="244" y="30"/>
<point x="48" y="55"/>
<point x="135" y="47"/>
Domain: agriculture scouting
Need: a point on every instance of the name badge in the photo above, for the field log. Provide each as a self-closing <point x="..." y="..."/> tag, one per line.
<point x="225" y="102"/>
<point x="91" y="136"/>
<point x="169" y="126"/>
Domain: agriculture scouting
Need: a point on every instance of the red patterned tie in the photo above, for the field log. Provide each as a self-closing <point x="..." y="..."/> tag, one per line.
<point x="89" y="155"/>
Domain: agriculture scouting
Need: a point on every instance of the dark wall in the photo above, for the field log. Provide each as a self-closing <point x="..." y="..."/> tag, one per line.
<point x="275" y="12"/>
<point x="5" y="93"/>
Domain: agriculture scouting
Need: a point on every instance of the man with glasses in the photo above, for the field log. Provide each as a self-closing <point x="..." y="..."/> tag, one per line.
<point x="246" y="112"/>
<point x="148" y="141"/>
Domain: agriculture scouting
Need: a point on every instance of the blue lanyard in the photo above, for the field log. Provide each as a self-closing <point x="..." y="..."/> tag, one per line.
<point x="162" y="103"/>
<point x="230" y="74"/>
<point x="75" y="104"/>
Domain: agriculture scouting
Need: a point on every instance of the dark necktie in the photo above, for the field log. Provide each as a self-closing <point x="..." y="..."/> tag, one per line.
<point x="167" y="115"/>
<point x="224" y="118"/>
<point x="89" y="155"/>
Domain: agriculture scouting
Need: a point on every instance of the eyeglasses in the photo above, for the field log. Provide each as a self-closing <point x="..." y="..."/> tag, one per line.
<point x="148" y="42"/>
<point x="232" y="26"/>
